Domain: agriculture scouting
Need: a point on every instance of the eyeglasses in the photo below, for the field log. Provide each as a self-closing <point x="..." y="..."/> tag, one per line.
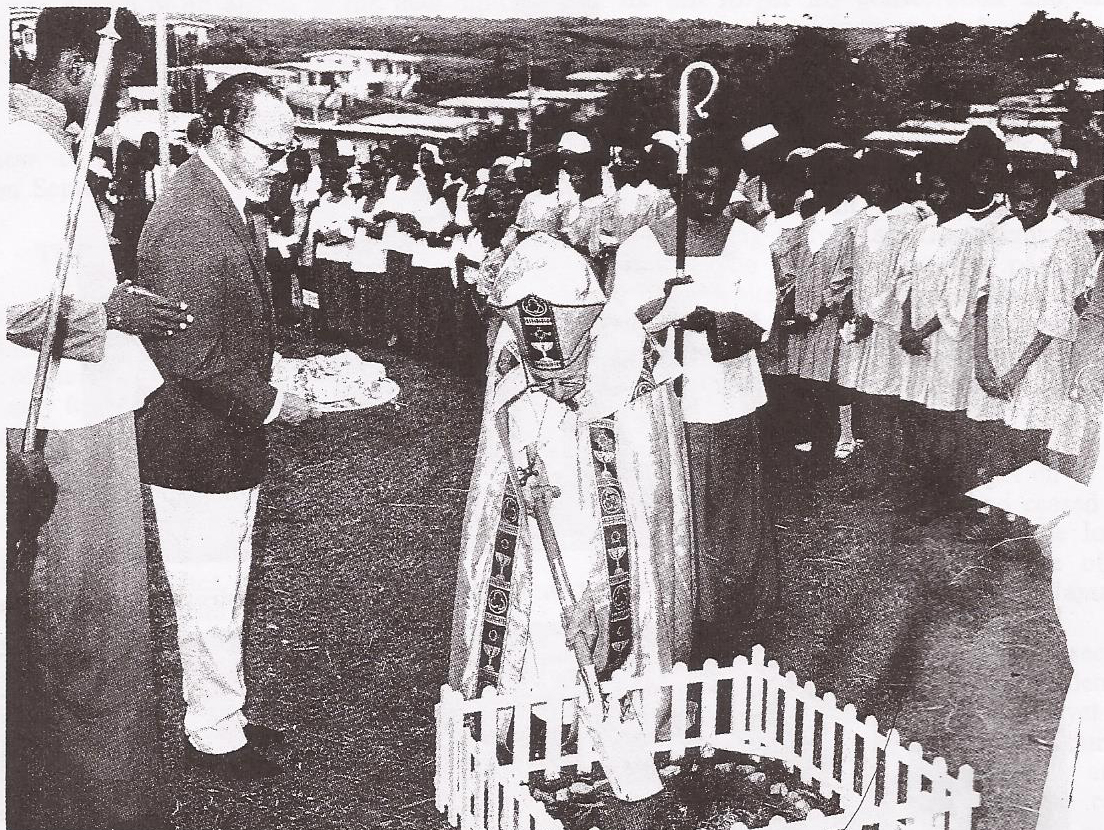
<point x="274" y="153"/>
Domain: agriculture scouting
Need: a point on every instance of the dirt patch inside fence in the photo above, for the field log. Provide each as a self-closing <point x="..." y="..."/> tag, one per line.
<point x="350" y="608"/>
<point x="699" y="793"/>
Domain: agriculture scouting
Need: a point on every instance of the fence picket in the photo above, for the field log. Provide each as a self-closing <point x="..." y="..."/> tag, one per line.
<point x="772" y="680"/>
<point x="849" y="737"/>
<point x="679" y="724"/>
<point x="913" y="776"/>
<point x="891" y="780"/>
<point x="808" y="725"/>
<point x="522" y="747"/>
<point x="870" y="743"/>
<point x="738" y="716"/>
<point x="789" y="718"/>
<point x="827" y="763"/>
<point x="709" y="701"/>
<point x="964" y="799"/>
<point x="553" y="736"/>
<point x="756" y="711"/>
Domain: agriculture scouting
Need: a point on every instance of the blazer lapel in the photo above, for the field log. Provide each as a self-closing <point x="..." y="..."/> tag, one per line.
<point x="216" y="194"/>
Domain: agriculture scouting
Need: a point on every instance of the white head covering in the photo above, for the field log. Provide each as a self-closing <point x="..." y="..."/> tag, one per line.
<point x="573" y="142"/>
<point x="1034" y="144"/>
<point x="758" y="137"/>
<point x="667" y="138"/>
<point x="503" y="161"/>
<point x="434" y="151"/>
<point x="548" y="268"/>
<point x="800" y="153"/>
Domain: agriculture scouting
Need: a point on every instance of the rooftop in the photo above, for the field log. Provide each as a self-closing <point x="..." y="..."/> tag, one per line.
<point x="473" y="102"/>
<point x="1084" y="85"/>
<point x="316" y="66"/>
<point x="409" y="119"/>
<point x="611" y="76"/>
<point x="560" y="94"/>
<point x="19" y="13"/>
<point x="376" y="131"/>
<point x="236" y="69"/>
<point x="909" y="138"/>
<point x="365" y="54"/>
<point x="150" y="20"/>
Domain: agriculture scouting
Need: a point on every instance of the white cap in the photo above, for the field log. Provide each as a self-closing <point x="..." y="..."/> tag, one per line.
<point x="503" y="161"/>
<point x="800" y="153"/>
<point x="667" y="138"/>
<point x="520" y="161"/>
<point x="758" y="137"/>
<point x="1033" y="143"/>
<point x="434" y="151"/>
<point x="573" y="142"/>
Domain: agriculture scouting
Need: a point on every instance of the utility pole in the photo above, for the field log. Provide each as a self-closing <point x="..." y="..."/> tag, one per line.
<point x="529" y="88"/>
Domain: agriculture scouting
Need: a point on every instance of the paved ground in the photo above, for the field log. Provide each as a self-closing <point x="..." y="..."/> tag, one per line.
<point x="351" y="604"/>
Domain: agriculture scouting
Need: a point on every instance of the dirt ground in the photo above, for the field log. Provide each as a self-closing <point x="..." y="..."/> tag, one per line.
<point x="351" y="601"/>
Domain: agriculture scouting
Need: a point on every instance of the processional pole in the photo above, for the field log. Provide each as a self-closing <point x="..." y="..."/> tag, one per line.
<point x="47" y="353"/>
<point x="162" y="30"/>
<point x="682" y="170"/>
<point x="529" y="93"/>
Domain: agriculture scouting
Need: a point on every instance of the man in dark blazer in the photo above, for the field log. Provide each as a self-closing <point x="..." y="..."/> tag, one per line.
<point x="201" y="437"/>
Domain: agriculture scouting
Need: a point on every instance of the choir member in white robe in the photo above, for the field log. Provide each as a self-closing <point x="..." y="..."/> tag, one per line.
<point x="1025" y="331"/>
<point x="823" y="282"/>
<point x="870" y="355"/>
<point x="939" y="273"/>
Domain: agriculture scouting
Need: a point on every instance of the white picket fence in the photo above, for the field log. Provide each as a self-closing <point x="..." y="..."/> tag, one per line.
<point x="880" y="783"/>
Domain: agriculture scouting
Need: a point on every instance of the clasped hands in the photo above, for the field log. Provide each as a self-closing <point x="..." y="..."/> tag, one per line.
<point x="912" y="341"/>
<point x="135" y="310"/>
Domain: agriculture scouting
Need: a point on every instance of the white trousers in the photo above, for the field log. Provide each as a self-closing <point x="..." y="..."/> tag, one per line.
<point x="207" y="548"/>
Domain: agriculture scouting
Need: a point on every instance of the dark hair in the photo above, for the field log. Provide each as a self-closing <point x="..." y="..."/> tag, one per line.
<point x="232" y="102"/>
<point x="890" y="169"/>
<point x="68" y="28"/>
<point x="981" y="143"/>
<point x="945" y="162"/>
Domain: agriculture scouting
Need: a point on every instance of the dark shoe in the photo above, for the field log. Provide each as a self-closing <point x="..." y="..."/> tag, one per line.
<point x="262" y="736"/>
<point x="245" y="764"/>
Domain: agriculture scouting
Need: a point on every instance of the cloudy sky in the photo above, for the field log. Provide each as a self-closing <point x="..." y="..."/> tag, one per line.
<point x="816" y="12"/>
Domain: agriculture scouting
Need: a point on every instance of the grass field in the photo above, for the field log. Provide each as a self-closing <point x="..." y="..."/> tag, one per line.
<point x="351" y="600"/>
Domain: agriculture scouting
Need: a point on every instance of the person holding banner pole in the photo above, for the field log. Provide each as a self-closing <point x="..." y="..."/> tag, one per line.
<point x="82" y="739"/>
